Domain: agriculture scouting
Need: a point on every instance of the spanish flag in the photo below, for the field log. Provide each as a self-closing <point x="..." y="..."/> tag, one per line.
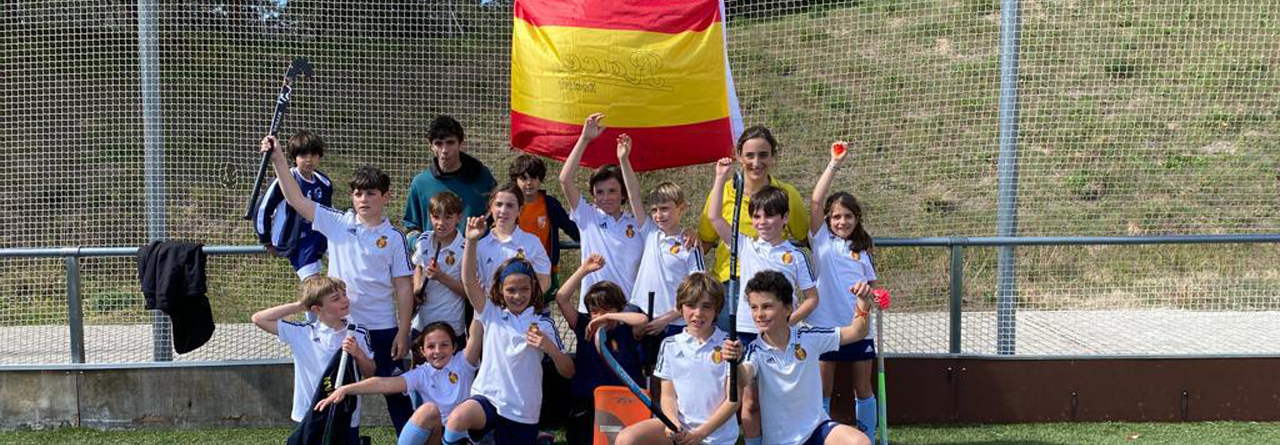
<point x="657" y="69"/>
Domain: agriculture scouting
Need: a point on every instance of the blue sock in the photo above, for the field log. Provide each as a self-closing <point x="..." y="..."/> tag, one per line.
<point x="413" y="435"/>
<point x="826" y="405"/>
<point x="753" y="441"/>
<point x="452" y="437"/>
<point x="867" y="416"/>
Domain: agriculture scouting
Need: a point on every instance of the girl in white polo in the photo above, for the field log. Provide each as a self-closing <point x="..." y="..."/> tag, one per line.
<point x="443" y="383"/>
<point x="841" y="247"/>
<point x="505" y="240"/>
<point x="507" y="394"/>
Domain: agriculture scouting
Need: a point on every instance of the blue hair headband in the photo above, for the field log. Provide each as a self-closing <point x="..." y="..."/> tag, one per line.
<point x="516" y="267"/>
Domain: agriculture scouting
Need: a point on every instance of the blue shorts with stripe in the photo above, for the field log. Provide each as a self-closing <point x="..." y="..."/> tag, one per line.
<point x="864" y="349"/>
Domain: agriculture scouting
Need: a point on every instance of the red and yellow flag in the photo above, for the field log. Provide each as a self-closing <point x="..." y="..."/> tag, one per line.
<point x="657" y="69"/>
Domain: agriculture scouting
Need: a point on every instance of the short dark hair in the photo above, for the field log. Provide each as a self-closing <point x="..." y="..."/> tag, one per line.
<point x="305" y="143"/>
<point x="527" y="165"/>
<point x="370" y="178"/>
<point x="444" y="126"/>
<point x="773" y="282"/>
<point x="605" y="173"/>
<point x="771" y="199"/>
<point x="757" y="131"/>
<point x="605" y="295"/>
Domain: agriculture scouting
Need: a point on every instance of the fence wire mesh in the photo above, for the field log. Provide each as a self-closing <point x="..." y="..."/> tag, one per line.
<point x="1137" y="118"/>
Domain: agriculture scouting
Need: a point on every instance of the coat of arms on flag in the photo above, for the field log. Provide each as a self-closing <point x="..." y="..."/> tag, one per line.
<point x="657" y="69"/>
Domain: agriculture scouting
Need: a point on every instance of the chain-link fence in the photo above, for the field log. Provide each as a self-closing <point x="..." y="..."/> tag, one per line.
<point x="1136" y="118"/>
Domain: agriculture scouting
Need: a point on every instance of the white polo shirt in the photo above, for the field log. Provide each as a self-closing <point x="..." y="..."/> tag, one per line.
<point x="664" y="264"/>
<point x="492" y="252"/>
<point x="617" y="240"/>
<point x="441" y="303"/>
<point x="755" y="255"/>
<point x="699" y="374"/>
<point x="446" y="387"/>
<point x="511" y="373"/>
<point x="789" y="383"/>
<point x="312" y="346"/>
<point x="839" y="268"/>
<point x="365" y="259"/>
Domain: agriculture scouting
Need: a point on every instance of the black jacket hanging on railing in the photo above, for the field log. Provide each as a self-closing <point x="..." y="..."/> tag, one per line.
<point x="172" y="275"/>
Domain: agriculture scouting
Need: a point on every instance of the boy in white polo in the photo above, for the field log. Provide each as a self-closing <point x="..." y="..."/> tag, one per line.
<point x="783" y="363"/>
<point x="371" y="257"/>
<point x="605" y="227"/>
<point x="666" y="260"/>
<point x="313" y="344"/>
<point x="769" y="208"/>
<point x="437" y="278"/>
<point x="694" y="373"/>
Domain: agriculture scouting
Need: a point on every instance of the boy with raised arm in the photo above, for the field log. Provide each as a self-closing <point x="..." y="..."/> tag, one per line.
<point x="371" y="257"/>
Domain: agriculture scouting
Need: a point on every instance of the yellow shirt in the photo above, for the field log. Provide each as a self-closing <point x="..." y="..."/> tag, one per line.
<point x="797" y="222"/>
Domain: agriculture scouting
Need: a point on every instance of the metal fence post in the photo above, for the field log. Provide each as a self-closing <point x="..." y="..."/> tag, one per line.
<point x="1007" y="213"/>
<point x="75" y="312"/>
<point x="957" y="294"/>
<point x="153" y="147"/>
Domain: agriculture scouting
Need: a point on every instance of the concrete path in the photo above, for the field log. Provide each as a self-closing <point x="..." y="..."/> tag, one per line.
<point x="1087" y="333"/>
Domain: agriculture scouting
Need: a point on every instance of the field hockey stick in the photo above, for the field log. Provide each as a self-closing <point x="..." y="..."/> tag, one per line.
<point x="299" y="67"/>
<point x="342" y="372"/>
<point x="734" y="284"/>
<point x="422" y="292"/>
<point x="602" y="342"/>
<point x="882" y="401"/>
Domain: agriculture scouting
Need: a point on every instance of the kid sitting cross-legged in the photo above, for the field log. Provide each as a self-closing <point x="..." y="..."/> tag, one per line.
<point x="444" y="382"/>
<point x="694" y="371"/>
<point x="313" y="344"/>
<point x="783" y="363"/>
<point x="608" y="308"/>
<point x="507" y="393"/>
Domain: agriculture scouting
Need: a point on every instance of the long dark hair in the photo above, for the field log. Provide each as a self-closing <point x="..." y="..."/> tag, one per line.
<point x="859" y="240"/>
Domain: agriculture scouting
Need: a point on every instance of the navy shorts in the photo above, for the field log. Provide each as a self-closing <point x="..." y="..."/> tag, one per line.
<point x="504" y="430"/>
<point x="860" y="350"/>
<point x="819" y="435"/>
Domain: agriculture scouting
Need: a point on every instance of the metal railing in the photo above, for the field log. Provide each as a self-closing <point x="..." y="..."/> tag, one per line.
<point x="956" y="271"/>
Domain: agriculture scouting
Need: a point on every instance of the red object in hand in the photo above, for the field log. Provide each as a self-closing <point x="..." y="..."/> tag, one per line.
<point x="882" y="298"/>
<point x="838" y="148"/>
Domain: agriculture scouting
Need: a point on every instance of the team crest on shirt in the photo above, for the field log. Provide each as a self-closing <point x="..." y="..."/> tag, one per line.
<point x="382" y="242"/>
<point x="449" y="259"/>
<point x="613" y="345"/>
<point x="453" y="377"/>
<point x="631" y="231"/>
<point x="854" y="254"/>
<point x="800" y="352"/>
<point x="520" y="253"/>
<point x="675" y="248"/>
<point x="533" y="327"/>
<point x="716" y="356"/>
<point x="787" y="258"/>
<point x="542" y="222"/>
